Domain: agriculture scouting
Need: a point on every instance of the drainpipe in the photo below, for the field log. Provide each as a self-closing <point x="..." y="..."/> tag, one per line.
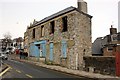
<point x="39" y="55"/>
<point x="76" y="61"/>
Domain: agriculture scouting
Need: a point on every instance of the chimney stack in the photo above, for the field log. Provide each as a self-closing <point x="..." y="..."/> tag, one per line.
<point x="113" y="30"/>
<point x="82" y="6"/>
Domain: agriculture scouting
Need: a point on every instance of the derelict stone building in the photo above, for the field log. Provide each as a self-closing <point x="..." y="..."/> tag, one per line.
<point x="62" y="38"/>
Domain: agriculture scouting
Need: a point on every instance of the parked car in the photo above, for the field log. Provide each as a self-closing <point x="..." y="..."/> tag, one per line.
<point x="3" y="56"/>
<point x="7" y="51"/>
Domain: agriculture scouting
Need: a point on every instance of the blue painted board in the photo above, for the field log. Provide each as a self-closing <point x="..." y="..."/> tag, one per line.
<point x="51" y="52"/>
<point x="34" y="51"/>
<point x="64" y="49"/>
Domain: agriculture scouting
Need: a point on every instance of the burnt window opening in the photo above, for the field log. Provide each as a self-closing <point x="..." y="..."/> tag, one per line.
<point x="34" y="33"/>
<point x="52" y="25"/>
<point x="42" y="30"/>
<point x="64" y="22"/>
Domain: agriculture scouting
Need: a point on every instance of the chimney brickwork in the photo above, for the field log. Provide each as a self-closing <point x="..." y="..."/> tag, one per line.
<point x="82" y="6"/>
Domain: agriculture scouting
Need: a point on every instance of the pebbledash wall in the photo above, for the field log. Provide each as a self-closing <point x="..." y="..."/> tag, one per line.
<point x="64" y="48"/>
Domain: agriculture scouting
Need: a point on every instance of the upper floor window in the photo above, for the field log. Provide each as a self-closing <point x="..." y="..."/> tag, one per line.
<point x="33" y="34"/>
<point x="64" y="22"/>
<point x="118" y="36"/>
<point x="110" y="49"/>
<point x="114" y="37"/>
<point x="42" y="30"/>
<point x="52" y="25"/>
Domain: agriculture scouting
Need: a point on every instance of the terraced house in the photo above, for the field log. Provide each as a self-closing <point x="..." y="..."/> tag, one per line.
<point x="62" y="38"/>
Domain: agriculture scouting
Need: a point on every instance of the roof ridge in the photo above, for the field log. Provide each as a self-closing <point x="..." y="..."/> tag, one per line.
<point x="66" y="10"/>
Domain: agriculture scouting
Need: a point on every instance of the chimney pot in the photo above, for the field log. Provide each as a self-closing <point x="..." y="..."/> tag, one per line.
<point x="113" y="30"/>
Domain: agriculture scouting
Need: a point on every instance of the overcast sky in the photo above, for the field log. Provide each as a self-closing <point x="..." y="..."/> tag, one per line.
<point x="15" y="15"/>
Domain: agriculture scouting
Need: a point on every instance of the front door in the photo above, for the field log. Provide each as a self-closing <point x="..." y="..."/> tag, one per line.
<point x="34" y="51"/>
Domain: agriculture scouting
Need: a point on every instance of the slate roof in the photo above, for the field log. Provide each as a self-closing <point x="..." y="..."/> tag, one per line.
<point x="69" y="9"/>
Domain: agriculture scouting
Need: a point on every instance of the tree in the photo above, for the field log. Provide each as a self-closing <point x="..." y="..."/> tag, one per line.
<point x="7" y="40"/>
<point x="7" y="35"/>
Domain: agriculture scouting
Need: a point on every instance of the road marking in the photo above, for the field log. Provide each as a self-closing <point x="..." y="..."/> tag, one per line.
<point x="4" y="71"/>
<point x="29" y="76"/>
<point x="18" y="71"/>
<point x="8" y="65"/>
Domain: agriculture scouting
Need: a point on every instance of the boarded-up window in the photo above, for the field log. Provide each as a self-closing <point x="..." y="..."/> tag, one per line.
<point x="42" y="30"/>
<point x="52" y="25"/>
<point x="64" y="49"/>
<point x="64" y="22"/>
<point x="33" y="33"/>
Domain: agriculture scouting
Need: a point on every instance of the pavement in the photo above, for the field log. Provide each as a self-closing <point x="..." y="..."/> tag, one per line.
<point x="70" y="71"/>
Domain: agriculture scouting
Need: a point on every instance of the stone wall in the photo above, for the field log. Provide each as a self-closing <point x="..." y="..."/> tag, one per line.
<point x="47" y="51"/>
<point x="26" y="42"/>
<point x="82" y="39"/>
<point x="35" y="59"/>
<point x="56" y="53"/>
<point x="102" y="65"/>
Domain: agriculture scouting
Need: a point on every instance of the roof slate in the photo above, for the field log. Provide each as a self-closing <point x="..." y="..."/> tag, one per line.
<point x="69" y="9"/>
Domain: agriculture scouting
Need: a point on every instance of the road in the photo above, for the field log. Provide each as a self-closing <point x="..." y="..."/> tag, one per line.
<point x="26" y="70"/>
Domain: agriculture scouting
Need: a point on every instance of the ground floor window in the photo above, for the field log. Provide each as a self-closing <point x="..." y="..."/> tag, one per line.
<point x="64" y="49"/>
